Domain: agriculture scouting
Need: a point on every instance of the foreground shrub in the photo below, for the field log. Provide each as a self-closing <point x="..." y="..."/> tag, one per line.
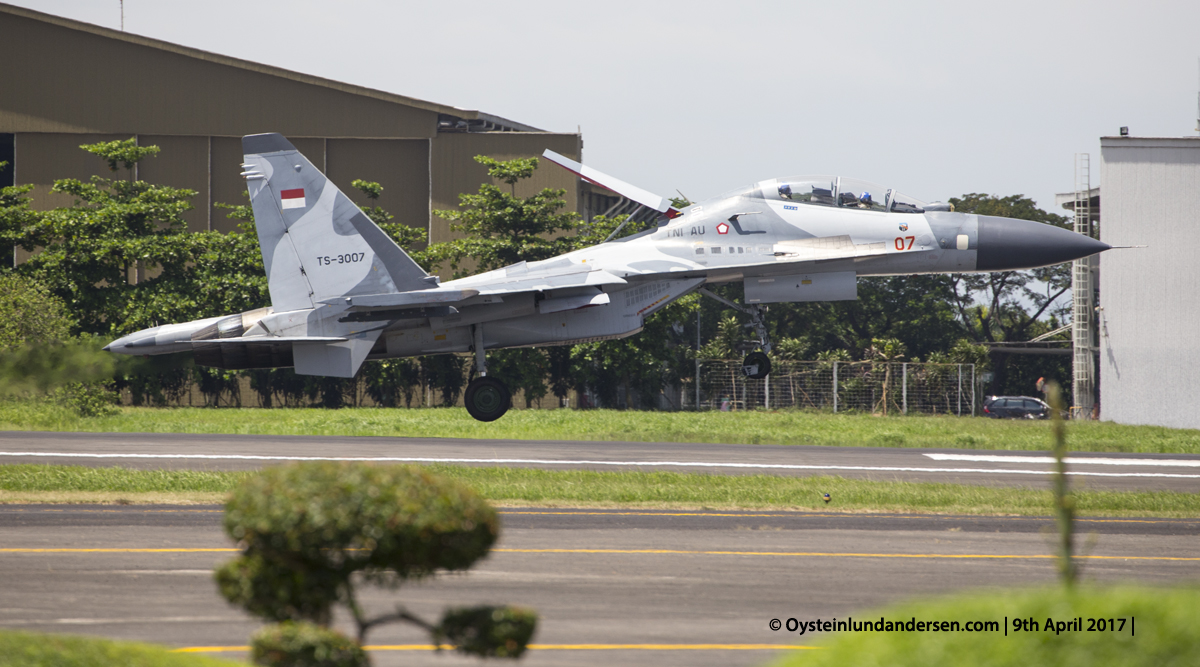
<point x="291" y="644"/>
<point x="311" y="532"/>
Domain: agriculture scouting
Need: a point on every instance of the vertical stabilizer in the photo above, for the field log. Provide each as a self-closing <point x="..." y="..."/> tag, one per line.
<point x="316" y="244"/>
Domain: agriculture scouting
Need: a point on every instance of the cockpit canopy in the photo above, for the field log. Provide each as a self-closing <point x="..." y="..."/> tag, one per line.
<point x="840" y="192"/>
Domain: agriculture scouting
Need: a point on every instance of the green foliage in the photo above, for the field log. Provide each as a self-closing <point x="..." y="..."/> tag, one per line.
<point x="522" y="369"/>
<point x="38" y="368"/>
<point x="124" y="152"/>
<point x="489" y="631"/>
<point x="501" y="228"/>
<point x="308" y="530"/>
<point x="291" y="644"/>
<point x="31" y="649"/>
<point x="1166" y="622"/>
<point x="30" y="314"/>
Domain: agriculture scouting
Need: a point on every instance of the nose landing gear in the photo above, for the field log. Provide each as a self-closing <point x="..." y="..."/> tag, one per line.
<point x="487" y="398"/>
<point x="756" y="365"/>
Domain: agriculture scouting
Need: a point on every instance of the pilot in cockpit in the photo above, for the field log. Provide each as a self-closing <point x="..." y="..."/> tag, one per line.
<point x="785" y="190"/>
<point x="864" y="200"/>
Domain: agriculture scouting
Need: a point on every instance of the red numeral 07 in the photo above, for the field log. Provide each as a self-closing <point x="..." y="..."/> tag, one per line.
<point x="900" y="242"/>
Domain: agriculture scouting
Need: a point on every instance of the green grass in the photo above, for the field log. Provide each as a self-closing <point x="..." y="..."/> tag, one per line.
<point x="29" y="649"/>
<point x="576" y="488"/>
<point x="782" y="427"/>
<point x="1167" y="632"/>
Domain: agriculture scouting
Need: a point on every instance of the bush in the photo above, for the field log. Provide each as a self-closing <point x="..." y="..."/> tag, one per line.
<point x="291" y="644"/>
<point x="307" y="529"/>
<point x="489" y="632"/>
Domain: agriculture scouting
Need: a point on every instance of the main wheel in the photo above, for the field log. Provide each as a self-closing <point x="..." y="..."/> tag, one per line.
<point x="756" y="365"/>
<point x="487" y="399"/>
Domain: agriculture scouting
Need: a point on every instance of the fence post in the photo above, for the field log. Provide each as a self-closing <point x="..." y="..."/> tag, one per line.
<point x="697" y="382"/>
<point x="904" y="387"/>
<point x="835" y="397"/>
<point x="960" y="390"/>
<point x="767" y="392"/>
<point x="972" y="390"/>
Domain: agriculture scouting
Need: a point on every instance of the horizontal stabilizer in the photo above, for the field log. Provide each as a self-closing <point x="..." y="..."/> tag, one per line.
<point x="403" y="299"/>
<point x="632" y="192"/>
<point x="268" y="340"/>
<point x="548" y="282"/>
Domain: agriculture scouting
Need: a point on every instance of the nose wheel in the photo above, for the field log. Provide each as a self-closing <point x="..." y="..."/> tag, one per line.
<point x="756" y="365"/>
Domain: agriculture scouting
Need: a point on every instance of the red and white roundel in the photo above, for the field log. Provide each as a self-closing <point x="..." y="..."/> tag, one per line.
<point x="722" y="228"/>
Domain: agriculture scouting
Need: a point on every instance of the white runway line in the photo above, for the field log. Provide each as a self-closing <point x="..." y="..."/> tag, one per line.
<point x="993" y="458"/>
<point x="566" y="462"/>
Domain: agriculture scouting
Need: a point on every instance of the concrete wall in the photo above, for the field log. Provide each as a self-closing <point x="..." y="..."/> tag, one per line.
<point x="1149" y="360"/>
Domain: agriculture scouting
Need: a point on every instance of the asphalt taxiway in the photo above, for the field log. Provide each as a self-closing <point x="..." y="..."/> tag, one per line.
<point x="662" y="587"/>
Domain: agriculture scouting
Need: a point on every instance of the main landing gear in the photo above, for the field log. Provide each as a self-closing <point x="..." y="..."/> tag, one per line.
<point x="487" y="398"/>
<point x="756" y="365"/>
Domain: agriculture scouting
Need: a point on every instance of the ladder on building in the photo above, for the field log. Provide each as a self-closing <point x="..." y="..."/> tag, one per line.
<point x="1083" y="306"/>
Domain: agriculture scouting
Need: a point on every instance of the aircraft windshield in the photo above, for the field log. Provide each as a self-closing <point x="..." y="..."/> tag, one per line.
<point x="840" y="192"/>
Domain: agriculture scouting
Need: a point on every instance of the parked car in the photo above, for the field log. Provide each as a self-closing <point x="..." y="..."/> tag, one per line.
<point x="1015" y="407"/>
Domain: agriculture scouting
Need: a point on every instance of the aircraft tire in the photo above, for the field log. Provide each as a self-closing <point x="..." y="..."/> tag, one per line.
<point x="487" y="399"/>
<point x="756" y="365"/>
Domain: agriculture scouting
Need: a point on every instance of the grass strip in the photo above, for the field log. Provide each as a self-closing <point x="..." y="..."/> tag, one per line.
<point x="1166" y="632"/>
<point x="786" y="427"/>
<point x="30" y="649"/>
<point x="584" y="488"/>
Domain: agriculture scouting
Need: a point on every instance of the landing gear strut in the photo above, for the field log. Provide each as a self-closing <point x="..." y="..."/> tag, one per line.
<point x="756" y="365"/>
<point x="487" y="399"/>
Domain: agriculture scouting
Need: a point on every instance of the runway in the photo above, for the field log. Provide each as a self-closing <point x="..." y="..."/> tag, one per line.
<point x="663" y="587"/>
<point x="1142" y="472"/>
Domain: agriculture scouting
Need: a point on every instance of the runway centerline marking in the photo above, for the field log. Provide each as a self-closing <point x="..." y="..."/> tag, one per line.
<point x="570" y="462"/>
<point x="1073" y="460"/>
<point x="664" y="552"/>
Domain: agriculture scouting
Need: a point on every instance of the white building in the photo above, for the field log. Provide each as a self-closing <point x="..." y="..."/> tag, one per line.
<point x="1149" y="316"/>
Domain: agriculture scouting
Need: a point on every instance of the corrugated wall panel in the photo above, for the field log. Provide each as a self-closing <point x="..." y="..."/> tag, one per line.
<point x="182" y="162"/>
<point x="1149" y="365"/>
<point x="59" y="79"/>
<point x="401" y="166"/>
<point x="455" y="170"/>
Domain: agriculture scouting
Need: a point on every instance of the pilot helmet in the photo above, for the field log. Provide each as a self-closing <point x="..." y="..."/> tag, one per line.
<point x="865" y="198"/>
<point x="785" y="190"/>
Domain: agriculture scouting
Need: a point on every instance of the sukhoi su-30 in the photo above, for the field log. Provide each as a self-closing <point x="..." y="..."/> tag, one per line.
<point x="343" y="292"/>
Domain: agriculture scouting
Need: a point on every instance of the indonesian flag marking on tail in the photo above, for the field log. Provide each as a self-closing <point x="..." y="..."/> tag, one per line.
<point x="292" y="198"/>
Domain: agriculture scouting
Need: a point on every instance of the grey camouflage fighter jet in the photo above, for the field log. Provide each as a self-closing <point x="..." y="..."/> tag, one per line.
<point x="343" y="292"/>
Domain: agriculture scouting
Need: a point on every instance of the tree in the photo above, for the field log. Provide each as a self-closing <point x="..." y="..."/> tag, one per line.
<point x="98" y="255"/>
<point x="312" y="534"/>
<point x="504" y="229"/>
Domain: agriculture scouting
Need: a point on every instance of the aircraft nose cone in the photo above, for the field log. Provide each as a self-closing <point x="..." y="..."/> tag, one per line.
<point x="1008" y="244"/>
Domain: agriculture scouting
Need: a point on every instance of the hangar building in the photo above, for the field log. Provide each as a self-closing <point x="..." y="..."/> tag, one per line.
<point x="69" y="83"/>
<point x="1149" y="310"/>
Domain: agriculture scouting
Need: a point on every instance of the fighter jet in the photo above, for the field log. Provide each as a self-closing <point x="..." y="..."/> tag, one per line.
<point x="343" y="292"/>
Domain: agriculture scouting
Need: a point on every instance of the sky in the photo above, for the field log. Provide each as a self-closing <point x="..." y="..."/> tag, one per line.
<point x="936" y="99"/>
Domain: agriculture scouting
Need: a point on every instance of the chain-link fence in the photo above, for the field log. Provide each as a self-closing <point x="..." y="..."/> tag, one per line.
<point x="836" y="386"/>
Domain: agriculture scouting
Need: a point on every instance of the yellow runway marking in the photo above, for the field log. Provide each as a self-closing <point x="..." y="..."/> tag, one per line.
<point x="665" y="552"/>
<point x="548" y="647"/>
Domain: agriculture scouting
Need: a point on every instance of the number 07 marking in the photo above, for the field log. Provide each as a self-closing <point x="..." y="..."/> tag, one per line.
<point x="900" y="242"/>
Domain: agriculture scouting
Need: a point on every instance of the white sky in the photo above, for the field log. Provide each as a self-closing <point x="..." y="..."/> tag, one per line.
<point x="934" y="98"/>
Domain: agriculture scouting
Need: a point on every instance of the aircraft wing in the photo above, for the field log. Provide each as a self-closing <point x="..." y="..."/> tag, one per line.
<point x="648" y="199"/>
